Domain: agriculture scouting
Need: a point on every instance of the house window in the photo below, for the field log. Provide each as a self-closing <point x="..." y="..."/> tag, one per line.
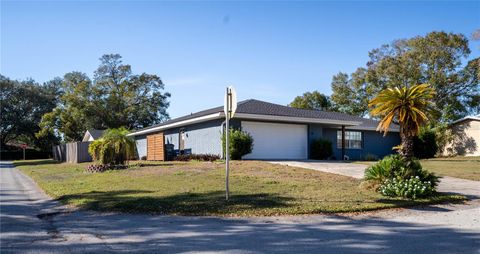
<point x="353" y="139"/>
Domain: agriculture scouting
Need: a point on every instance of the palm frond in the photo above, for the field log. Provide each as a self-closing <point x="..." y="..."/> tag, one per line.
<point x="410" y="106"/>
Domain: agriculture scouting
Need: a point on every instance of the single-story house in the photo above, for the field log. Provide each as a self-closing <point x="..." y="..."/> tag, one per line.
<point x="279" y="133"/>
<point x="91" y="135"/>
<point x="465" y="139"/>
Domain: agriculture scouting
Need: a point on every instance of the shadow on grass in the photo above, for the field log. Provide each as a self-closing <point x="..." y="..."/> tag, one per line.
<point x="34" y="162"/>
<point x="425" y="204"/>
<point x="214" y="203"/>
<point x="209" y="203"/>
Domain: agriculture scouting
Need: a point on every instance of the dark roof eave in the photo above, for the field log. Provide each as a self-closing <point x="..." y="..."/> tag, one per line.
<point x="244" y="116"/>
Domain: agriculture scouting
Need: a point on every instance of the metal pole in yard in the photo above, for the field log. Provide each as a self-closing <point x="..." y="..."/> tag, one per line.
<point x="343" y="142"/>
<point x="24" y="146"/>
<point x="227" y="150"/>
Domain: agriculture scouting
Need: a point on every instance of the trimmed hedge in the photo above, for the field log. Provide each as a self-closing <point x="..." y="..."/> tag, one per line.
<point x="198" y="157"/>
<point x="321" y="149"/>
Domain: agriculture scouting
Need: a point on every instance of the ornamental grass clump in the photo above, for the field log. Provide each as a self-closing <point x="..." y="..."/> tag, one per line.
<point x="397" y="177"/>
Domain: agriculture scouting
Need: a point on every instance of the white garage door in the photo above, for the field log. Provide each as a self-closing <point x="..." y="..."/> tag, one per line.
<point x="277" y="141"/>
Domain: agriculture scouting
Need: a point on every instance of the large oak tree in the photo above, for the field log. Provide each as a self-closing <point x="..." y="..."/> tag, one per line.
<point x="114" y="98"/>
<point x="22" y="105"/>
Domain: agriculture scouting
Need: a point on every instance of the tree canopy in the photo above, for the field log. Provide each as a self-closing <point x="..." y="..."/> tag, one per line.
<point x="438" y="58"/>
<point x="350" y="94"/>
<point x="114" y="98"/>
<point x="23" y="104"/>
<point x="312" y="100"/>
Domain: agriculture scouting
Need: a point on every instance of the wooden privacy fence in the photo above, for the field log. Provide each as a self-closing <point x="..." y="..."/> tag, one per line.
<point x="59" y="153"/>
<point x="74" y="152"/>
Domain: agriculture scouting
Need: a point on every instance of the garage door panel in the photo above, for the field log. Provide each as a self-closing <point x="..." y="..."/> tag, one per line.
<point x="277" y="141"/>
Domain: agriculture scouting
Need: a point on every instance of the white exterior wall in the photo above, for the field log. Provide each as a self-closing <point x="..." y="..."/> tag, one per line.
<point x="277" y="140"/>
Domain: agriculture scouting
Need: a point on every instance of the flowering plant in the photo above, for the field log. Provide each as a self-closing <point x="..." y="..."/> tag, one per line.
<point x="412" y="187"/>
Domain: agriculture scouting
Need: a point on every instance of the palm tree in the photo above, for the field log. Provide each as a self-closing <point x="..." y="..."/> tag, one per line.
<point x="409" y="106"/>
<point x="114" y="148"/>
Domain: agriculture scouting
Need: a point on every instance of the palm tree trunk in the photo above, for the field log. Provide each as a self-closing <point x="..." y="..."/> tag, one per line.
<point x="406" y="150"/>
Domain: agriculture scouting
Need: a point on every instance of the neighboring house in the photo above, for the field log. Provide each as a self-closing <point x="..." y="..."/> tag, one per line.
<point x="279" y="132"/>
<point x="465" y="135"/>
<point x="91" y="135"/>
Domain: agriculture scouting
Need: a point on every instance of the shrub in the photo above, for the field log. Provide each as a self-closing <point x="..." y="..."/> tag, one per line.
<point x="412" y="187"/>
<point x="198" y="157"/>
<point x="114" y="148"/>
<point x="425" y="144"/>
<point x="413" y="168"/>
<point x="240" y="143"/>
<point x="384" y="168"/>
<point x="321" y="149"/>
<point x="398" y="177"/>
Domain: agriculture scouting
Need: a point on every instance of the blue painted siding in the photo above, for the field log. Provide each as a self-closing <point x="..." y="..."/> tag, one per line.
<point x="200" y="138"/>
<point x="315" y="131"/>
<point x="374" y="143"/>
<point x="205" y="137"/>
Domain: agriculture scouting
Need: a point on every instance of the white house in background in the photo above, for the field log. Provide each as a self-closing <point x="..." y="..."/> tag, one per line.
<point x="91" y="135"/>
<point x="465" y="137"/>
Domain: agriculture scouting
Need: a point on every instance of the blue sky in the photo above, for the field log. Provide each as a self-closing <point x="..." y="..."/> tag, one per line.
<point x="270" y="51"/>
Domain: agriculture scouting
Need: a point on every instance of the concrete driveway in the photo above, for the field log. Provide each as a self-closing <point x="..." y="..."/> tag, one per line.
<point x="32" y="223"/>
<point x="469" y="188"/>
<point x="334" y="167"/>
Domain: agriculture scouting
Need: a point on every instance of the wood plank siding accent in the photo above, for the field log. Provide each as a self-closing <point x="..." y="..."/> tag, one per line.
<point x="156" y="147"/>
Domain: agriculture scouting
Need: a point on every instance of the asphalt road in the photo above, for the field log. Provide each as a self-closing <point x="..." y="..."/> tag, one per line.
<point x="33" y="223"/>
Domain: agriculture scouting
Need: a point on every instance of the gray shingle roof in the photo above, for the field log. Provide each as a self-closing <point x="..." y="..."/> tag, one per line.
<point x="257" y="107"/>
<point x="96" y="134"/>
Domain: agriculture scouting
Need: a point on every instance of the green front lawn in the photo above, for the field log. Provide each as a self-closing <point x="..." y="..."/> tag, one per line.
<point x="197" y="188"/>
<point x="460" y="167"/>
